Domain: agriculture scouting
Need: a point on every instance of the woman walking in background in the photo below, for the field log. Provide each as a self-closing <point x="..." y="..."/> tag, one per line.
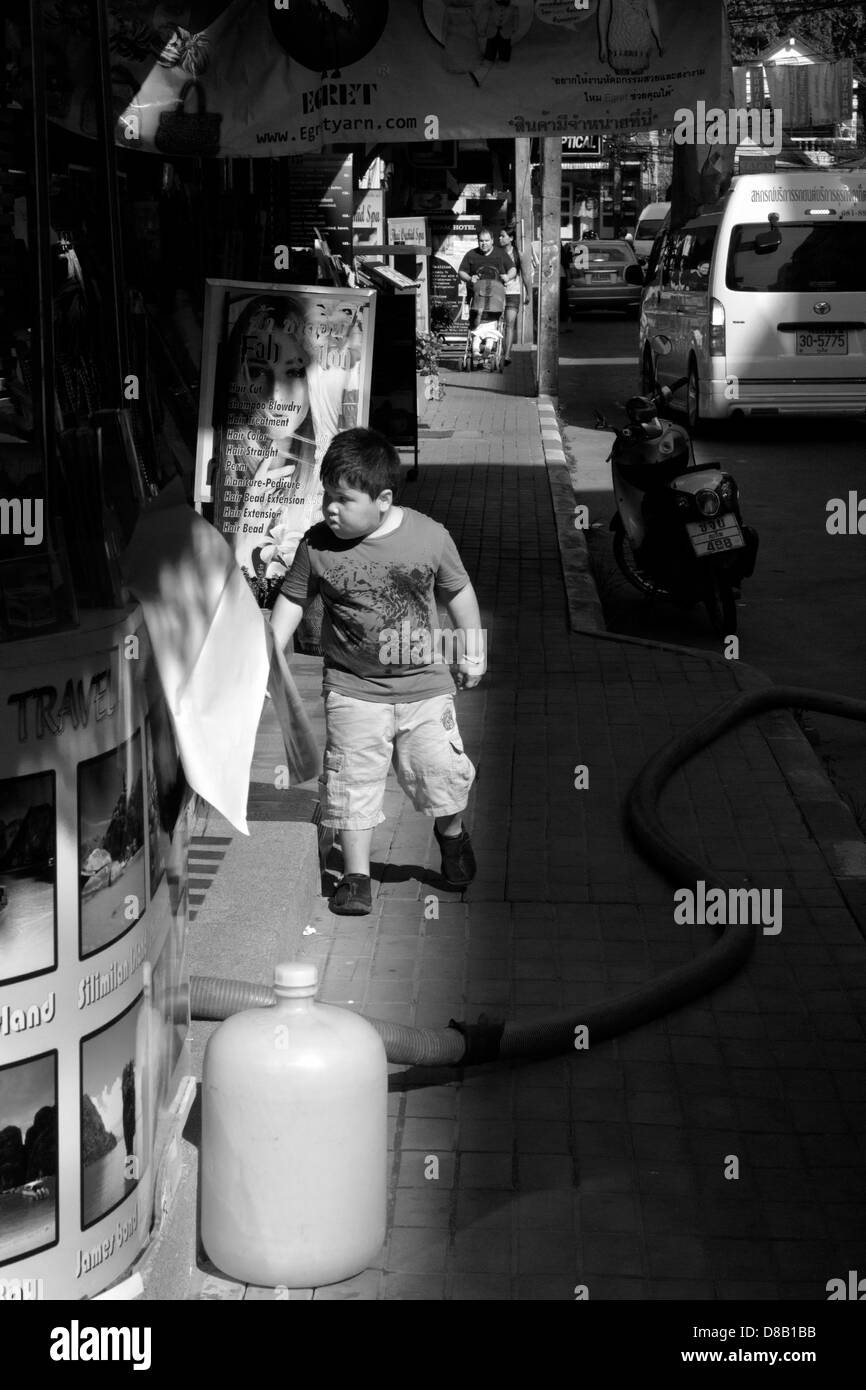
<point x="513" y="288"/>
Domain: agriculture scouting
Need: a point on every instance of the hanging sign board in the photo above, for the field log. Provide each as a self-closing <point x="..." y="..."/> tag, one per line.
<point x="291" y="76"/>
<point x="451" y="236"/>
<point x="409" y="232"/>
<point x="283" y="371"/>
<point x="368" y="223"/>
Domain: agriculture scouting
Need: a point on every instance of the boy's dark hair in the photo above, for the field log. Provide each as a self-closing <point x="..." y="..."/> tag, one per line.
<point x="363" y="459"/>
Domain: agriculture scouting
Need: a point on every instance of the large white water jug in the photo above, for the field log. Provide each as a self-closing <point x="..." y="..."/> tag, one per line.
<point x="294" y="1140"/>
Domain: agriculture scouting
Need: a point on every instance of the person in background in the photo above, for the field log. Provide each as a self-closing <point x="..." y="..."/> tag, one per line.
<point x="486" y="262"/>
<point x="514" y="285"/>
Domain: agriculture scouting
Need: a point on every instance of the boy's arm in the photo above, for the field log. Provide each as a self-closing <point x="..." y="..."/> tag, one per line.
<point x="465" y="615"/>
<point x="285" y="620"/>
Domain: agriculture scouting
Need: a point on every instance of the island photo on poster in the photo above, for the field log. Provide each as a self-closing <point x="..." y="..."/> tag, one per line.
<point x="111" y="1115"/>
<point x="28" y="931"/>
<point x="110" y="845"/>
<point x="28" y="1156"/>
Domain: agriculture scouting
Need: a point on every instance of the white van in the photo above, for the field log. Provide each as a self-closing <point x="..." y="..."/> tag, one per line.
<point x="764" y="300"/>
<point x="649" y="224"/>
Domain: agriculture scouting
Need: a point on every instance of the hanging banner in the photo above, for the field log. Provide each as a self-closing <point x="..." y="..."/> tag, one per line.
<point x="283" y="370"/>
<point x="277" y="77"/>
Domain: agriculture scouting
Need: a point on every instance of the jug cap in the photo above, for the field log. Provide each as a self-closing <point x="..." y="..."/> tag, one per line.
<point x="294" y="978"/>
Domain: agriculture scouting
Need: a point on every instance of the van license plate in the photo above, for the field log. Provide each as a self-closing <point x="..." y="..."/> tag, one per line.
<point x="715" y="535"/>
<point x="823" y="344"/>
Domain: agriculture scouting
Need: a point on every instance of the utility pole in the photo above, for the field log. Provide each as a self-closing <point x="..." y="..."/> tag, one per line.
<point x="548" y="316"/>
<point x="616" y="187"/>
<point x="523" y="214"/>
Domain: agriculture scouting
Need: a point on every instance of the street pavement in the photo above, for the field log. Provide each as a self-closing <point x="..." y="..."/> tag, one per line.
<point x="606" y="1173"/>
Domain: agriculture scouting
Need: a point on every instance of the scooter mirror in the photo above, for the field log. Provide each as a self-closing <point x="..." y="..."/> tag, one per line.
<point x="634" y="275"/>
<point x="661" y="345"/>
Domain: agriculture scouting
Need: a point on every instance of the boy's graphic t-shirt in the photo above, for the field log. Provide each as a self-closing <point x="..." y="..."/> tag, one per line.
<point x="379" y="595"/>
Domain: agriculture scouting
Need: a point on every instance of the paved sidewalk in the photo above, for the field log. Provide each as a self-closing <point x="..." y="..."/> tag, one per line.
<point x="610" y="1168"/>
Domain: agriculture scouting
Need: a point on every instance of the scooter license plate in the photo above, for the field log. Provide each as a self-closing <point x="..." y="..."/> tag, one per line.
<point x="715" y="535"/>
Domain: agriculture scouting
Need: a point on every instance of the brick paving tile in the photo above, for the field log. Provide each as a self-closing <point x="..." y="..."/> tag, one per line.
<point x="416" y="1250"/>
<point x="741" y="1259"/>
<point x="480" y="1287"/>
<point x="427" y="1288"/>
<point x="609" y="1212"/>
<point x="679" y="1290"/>
<point x="544" y="1288"/>
<point x="483" y="1209"/>
<point x="545" y="1171"/>
<point x="488" y="1170"/>
<point x="546" y="1252"/>
<point x="434" y="1135"/>
<point x="675" y="1255"/>
<point x="739" y="1291"/>
<point x="427" y="1206"/>
<point x="481" y="1252"/>
<point x="485" y="1136"/>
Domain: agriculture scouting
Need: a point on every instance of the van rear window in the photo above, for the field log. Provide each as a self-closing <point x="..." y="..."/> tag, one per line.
<point x="814" y="259"/>
<point x="649" y="227"/>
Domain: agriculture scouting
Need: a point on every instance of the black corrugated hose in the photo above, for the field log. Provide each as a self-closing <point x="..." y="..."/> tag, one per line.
<point x="467" y="1044"/>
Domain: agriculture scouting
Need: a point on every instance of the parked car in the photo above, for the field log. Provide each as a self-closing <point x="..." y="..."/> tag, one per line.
<point x="596" y="277"/>
<point x="649" y="224"/>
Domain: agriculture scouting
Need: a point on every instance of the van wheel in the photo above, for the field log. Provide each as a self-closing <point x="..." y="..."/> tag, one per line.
<point x="693" y="399"/>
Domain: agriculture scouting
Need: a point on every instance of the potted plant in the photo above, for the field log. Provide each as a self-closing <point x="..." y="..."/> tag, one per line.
<point x="428" y="347"/>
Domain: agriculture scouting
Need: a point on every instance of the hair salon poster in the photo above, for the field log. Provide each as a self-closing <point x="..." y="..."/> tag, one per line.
<point x="94" y="1000"/>
<point x="284" y="369"/>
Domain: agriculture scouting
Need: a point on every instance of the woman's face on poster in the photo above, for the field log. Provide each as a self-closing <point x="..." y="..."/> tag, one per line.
<point x="274" y="380"/>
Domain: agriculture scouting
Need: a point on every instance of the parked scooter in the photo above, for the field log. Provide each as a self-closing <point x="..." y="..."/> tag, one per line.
<point x="678" y="531"/>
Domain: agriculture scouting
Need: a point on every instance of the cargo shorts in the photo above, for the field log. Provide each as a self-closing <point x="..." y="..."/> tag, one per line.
<point x="419" y="738"/>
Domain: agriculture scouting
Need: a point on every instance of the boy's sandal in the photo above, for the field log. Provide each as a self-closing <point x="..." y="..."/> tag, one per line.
<point x="352" y="896"/>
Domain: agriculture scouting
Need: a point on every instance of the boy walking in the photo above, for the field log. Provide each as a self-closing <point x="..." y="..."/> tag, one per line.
<point x="389" y="696"/>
